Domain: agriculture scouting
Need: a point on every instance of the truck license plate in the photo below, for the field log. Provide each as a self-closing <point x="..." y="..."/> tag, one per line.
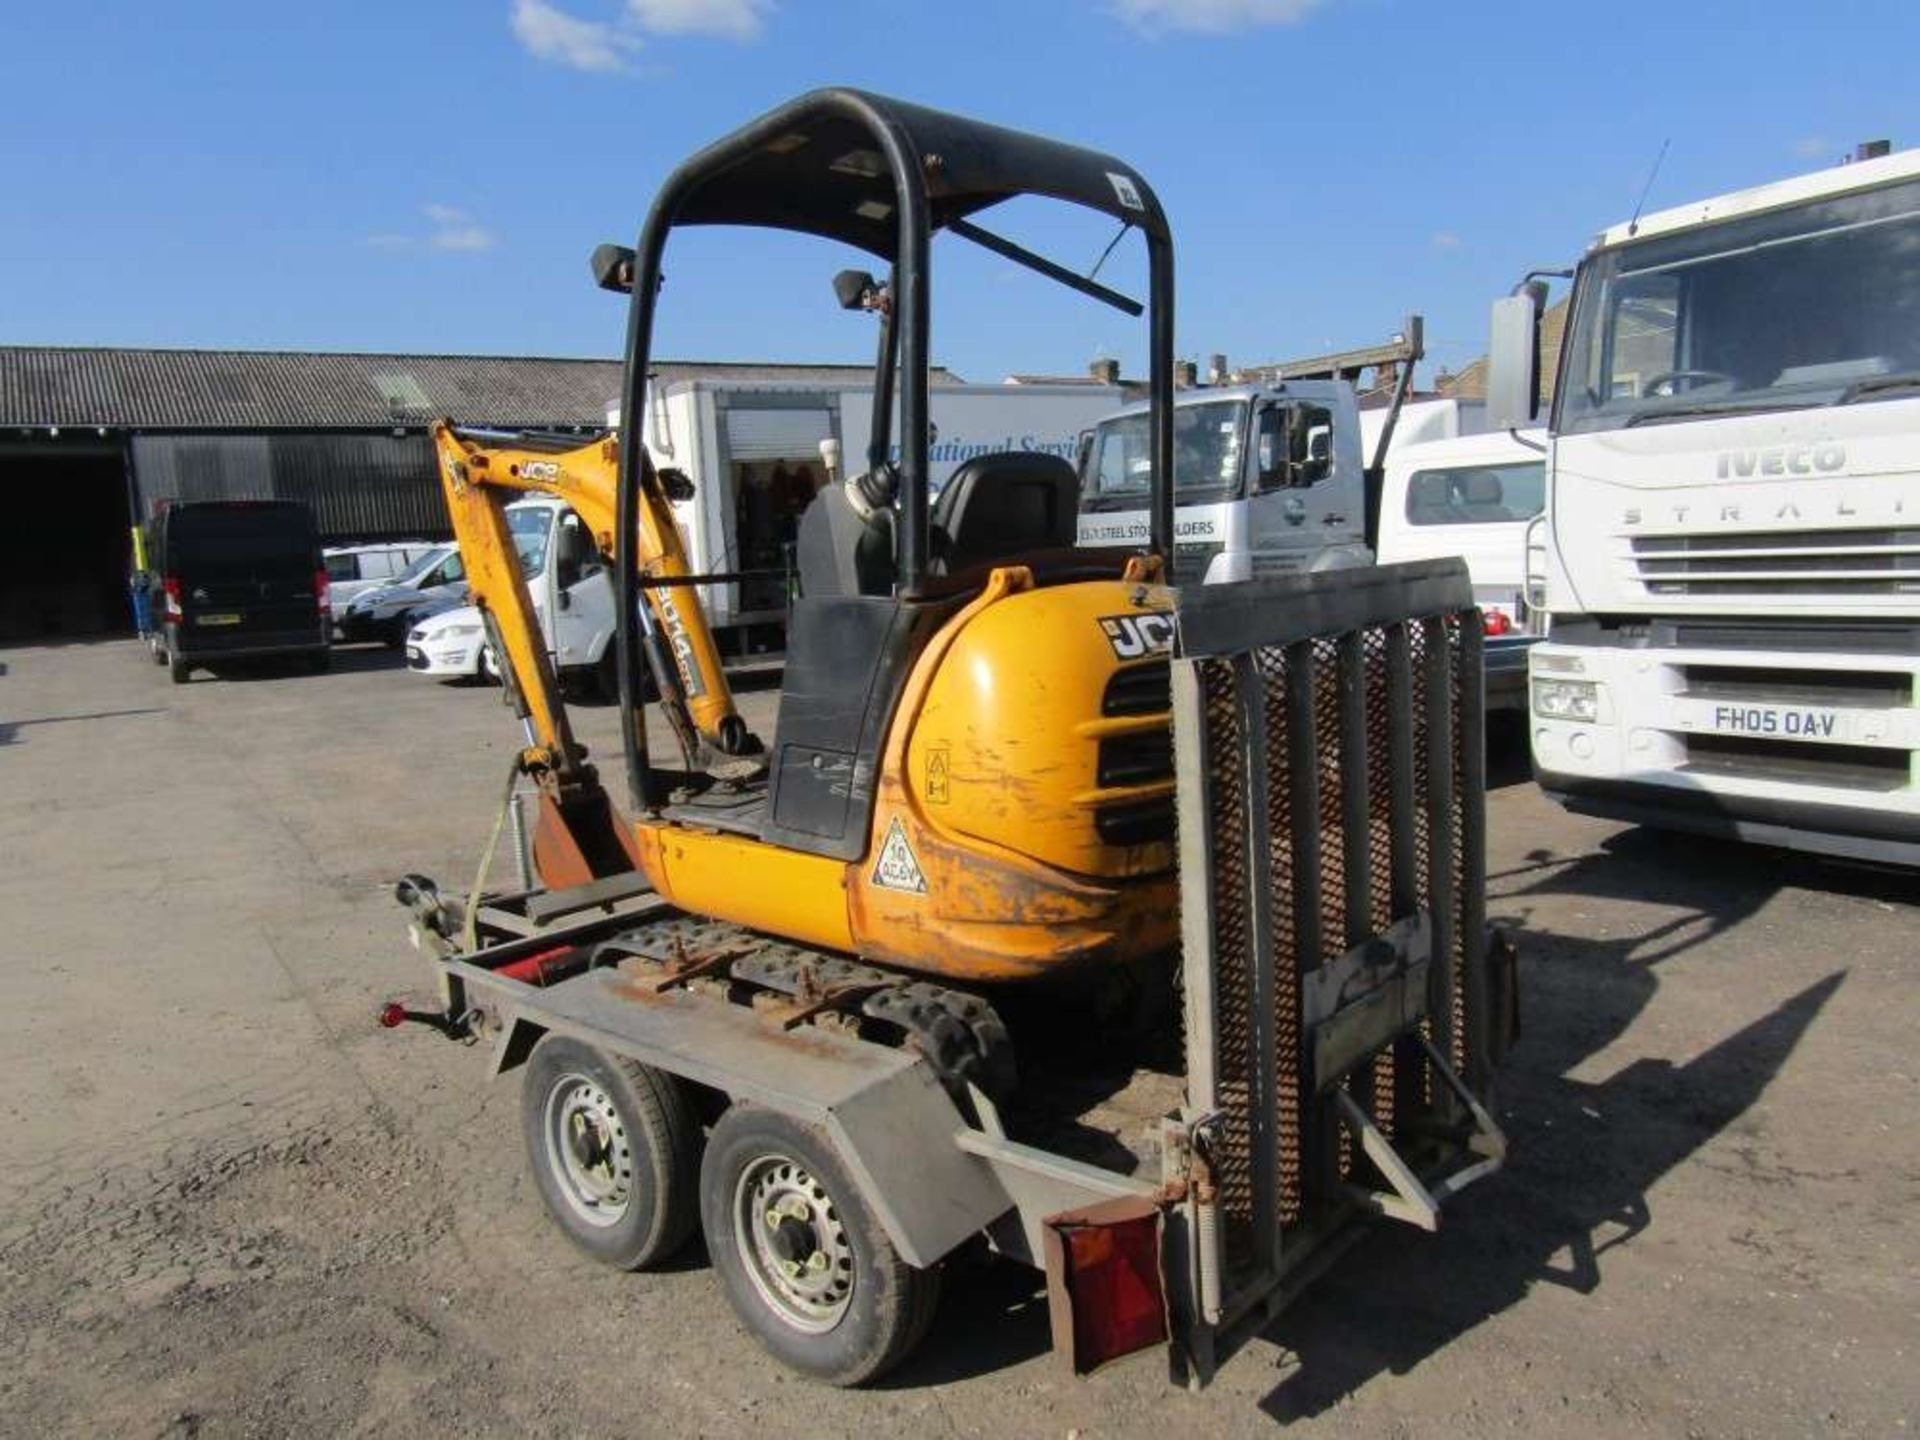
<point x="222" y="619"/>
<point x="1784" y="720"/>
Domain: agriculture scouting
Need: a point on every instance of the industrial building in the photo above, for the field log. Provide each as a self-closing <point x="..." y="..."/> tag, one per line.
<point x="92" y="439"/>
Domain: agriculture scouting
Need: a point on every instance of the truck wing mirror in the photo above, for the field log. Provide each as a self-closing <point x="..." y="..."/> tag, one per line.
<point x="1513" y="358"/>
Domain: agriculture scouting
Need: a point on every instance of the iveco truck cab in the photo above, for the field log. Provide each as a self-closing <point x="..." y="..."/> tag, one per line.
<point x="1730" y="561"/>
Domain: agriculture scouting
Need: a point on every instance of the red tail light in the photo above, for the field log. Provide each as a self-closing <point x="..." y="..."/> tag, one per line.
<point x="1104" y="1286"/>
<point x="171" y="586"/>
<point x="323" y="591"/>
<point x="1498" y="622"/>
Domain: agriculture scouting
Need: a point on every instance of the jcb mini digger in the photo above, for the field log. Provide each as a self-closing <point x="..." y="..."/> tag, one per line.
<point x="828" y="996"/>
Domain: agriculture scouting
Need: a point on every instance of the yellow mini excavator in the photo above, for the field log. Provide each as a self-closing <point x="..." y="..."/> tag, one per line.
<point x="971" y="777"/>
<point x="764" y="993"/>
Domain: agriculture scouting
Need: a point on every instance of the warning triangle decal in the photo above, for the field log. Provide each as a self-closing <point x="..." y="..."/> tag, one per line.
<point x="898" y="870"/>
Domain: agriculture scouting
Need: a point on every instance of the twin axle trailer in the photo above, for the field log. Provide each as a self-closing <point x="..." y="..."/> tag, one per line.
<point x="1337" y="1010"/>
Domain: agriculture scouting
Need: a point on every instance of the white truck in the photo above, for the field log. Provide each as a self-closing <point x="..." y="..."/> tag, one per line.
<point x="1268" y="480"/>
<point x="572" y="595"/>
<point x="753" y="452"/>
<point x="1731" y="552"/>
<point x="1272" y="480"/>
<point x="1446" y="417"/>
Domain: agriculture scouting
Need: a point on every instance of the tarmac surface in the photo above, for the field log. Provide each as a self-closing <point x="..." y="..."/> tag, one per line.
<point x="231" y="1205"/>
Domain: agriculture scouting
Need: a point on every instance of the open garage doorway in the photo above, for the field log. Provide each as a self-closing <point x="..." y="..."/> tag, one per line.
<point x="65" y="546"/>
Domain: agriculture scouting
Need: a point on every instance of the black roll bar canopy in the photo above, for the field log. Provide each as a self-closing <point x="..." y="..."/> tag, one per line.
<point x="883" y="175"/>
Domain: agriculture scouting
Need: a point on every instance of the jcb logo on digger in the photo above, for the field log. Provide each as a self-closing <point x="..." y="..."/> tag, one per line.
<point x="540" y="470"/>
<point x="1135" y="635"/>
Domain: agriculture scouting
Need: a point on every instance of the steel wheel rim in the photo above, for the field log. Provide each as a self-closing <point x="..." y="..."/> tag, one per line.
<point x="588" y="1150"/>
<point x="793" y="1244"/>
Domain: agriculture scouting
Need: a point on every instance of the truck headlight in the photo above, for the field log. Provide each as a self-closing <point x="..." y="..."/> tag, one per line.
<point x="1566" y="699"/>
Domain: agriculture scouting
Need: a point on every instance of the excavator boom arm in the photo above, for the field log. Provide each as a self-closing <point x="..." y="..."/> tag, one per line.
<point x="480" y="471"/>
<point x="476" y="506"/>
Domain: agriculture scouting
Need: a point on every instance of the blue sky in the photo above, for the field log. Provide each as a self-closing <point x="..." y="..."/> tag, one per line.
<point x="431" y="174"/>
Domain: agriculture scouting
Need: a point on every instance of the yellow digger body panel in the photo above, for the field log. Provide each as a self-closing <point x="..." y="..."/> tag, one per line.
<point x="984" y="860"/>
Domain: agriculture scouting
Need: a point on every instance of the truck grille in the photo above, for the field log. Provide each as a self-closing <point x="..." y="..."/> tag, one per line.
<point x="1342" y="777"/>
<point x="1849" y="767"/>
<point x="1840" y="563"/>
<point x="1769" y="685"/>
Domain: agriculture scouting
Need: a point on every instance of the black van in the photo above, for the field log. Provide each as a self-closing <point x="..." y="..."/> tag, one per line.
<point x="237" y="578"/>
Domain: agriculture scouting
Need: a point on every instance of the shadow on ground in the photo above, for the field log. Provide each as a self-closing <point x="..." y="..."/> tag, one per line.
<point x="1584" y="1156"/>
<point x="341" y="659"/>
<point x="10" y="729"/>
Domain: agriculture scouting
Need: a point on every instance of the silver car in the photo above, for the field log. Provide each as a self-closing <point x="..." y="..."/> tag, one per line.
<point x="383" y="612"/>
<point x="354" y="569"/>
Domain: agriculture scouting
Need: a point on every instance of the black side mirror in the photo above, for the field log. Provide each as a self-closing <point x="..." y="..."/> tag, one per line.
<point x="676" y="483"/>
<point x="613" y="268"/>
<point x="855" y="290"/>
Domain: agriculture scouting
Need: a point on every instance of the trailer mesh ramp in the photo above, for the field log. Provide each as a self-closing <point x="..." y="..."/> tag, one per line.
<point x="1344" y="1004"/>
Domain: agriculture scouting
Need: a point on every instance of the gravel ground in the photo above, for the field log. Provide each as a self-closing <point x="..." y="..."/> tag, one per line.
<point x="229" y="1205"/>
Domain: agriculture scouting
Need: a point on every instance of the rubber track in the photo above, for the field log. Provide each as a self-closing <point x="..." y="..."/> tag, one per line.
<point x="959" y="1033"/>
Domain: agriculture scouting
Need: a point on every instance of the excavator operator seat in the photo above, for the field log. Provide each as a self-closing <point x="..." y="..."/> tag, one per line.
<point x="995" y="507"/>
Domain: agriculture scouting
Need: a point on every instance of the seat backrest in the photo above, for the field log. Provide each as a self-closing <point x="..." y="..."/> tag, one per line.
<point x="1483" y="496"/>
<point x="997" y="506"/>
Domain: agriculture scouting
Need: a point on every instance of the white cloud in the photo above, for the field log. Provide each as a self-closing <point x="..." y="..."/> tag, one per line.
<point x="1445" y="240"/>
<point x="451" y="229"/>
<point x="455" y="229"/>
<point x="729" y="19"/>
<point x="1208" y="17"/>
<point x="1813" y="147"/>
<point x="552" y="34"/>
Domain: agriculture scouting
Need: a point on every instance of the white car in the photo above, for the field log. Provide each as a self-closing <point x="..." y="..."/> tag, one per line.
<point x="452" y="646"/>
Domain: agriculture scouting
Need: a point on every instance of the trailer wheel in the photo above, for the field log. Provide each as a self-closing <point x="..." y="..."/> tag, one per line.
<point x="615" y="1148"/>
<point x="806" y="1266"/>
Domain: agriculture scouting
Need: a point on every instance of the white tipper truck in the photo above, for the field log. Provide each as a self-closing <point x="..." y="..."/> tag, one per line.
<point x="1730" y="558"/>
<point x="1268" y="480"/>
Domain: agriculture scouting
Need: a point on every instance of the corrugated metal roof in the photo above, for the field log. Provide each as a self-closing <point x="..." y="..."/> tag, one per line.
<point x="307" y="390"/>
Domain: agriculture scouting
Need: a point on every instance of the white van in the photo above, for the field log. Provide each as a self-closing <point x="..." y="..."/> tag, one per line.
<point x="572" y="596"/>
<point x="1473" y="497"/>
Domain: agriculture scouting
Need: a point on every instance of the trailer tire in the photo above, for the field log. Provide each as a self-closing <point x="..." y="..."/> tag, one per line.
<point x="855" y="1308"/>
<point x="615" y="1150"/>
